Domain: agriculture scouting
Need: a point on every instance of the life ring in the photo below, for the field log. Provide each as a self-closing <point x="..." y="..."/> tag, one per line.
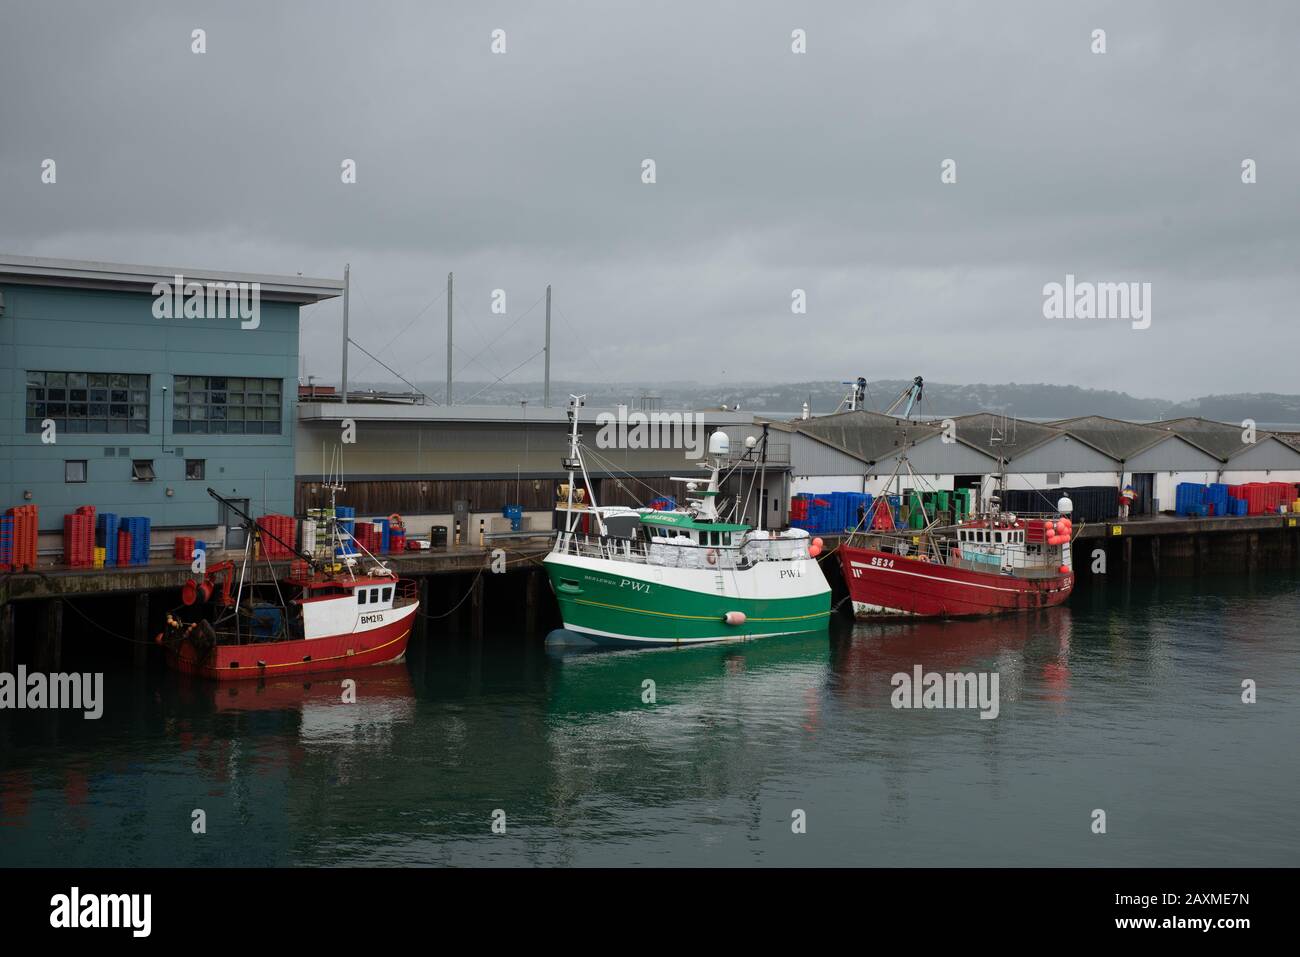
<point x="395" y="523"/>
<point x="711" y="556"/>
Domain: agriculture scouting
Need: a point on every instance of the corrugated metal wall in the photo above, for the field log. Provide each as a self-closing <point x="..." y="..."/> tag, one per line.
<point x="79" y="330"/>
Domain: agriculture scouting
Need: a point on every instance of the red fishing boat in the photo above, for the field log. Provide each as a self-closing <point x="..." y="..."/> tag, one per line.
<point x="994" y="563"/>
<point x="338" y="608"/>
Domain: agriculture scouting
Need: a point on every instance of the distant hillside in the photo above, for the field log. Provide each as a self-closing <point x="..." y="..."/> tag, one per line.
<point x="1262" y="407"/>
<point x="1028" y="401"/>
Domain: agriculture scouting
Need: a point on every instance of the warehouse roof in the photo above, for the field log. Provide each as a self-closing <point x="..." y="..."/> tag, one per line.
<point x="1221" y="439"/>
<point x="1115" y="437"/>
<point x="84" y="274"/>
<point x="998" y="434"/>
<point x="868" y="436"/>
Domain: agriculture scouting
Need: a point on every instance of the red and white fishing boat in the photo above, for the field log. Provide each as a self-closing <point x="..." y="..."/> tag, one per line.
<point x="338" y="608"/>
<point x="992" y="564"/>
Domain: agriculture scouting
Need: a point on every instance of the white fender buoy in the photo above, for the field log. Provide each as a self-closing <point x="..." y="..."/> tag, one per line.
<point x="734" y="618"/>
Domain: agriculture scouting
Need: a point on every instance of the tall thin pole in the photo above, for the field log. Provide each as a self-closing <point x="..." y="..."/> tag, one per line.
<point x="449" y="338"/>
<point x="546" y="388"/>
<point x="347" y="281"/>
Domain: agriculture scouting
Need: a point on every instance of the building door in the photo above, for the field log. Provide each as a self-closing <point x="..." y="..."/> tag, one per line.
<point x="236" y="534"/>
<point x="1144" y="485"/>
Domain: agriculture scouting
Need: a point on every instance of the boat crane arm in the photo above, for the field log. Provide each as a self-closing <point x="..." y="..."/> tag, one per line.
<point x="911" y="395"/>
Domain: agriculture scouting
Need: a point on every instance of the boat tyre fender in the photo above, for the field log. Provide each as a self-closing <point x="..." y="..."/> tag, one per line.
<point x="204" y="640"/>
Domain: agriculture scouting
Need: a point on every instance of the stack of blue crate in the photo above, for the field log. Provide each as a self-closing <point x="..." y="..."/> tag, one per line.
<point x="138" y="528"/>
<point x="1189" y="499"/>
<point x="516" y="515"/>
<point x="106" y="527"/>
<point x="346" y="520"/>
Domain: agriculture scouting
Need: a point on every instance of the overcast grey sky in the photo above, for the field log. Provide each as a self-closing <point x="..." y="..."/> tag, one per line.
<point x="775" y="171"/>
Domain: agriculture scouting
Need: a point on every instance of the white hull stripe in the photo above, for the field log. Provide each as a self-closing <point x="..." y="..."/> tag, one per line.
<point x="584" y="630"/>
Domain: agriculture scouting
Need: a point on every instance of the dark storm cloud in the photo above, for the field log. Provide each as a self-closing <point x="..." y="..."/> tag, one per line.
<point x="775" y="172"/>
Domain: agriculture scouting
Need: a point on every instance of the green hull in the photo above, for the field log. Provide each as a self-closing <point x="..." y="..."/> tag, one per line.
<point x="614" y="609"/>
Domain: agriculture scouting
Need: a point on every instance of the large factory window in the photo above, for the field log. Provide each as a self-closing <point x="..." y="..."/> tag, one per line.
<point x="82" y="402"/>
<point x="218" y="405"/>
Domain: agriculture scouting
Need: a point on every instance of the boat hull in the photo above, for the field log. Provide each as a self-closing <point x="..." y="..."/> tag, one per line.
<point x="638" y="605"/>
<point x="884" y="585"/>
<point x="385" y="644"/>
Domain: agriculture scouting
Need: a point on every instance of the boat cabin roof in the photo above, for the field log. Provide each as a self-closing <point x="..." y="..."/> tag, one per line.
<point x="319" y="584"/>
<point x="685" y="521"/>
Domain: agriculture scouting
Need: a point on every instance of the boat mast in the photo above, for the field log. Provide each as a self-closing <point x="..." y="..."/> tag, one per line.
<point x="574" y="463"/>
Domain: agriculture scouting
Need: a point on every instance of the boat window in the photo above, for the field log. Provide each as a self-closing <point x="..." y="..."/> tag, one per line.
<point x="388" y="593"/>
<point x="374" y="595"/>
<point x="361" y="596"/>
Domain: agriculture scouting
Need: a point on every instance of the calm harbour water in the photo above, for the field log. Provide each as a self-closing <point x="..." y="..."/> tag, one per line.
<point x="1128" y="700"/>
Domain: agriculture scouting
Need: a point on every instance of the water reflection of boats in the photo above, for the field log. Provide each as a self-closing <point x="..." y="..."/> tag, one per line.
<point x="866" y="658"/>
<point x="587" y="681"/>
<point x="307" y="709"/>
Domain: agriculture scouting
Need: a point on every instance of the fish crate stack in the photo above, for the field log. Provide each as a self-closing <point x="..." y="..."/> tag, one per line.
<point x="282" y="527"/>
<point x="307" y="536"/>
<point x="516" y="515"/>
<point x="1252" y="498"/>
<point x="368" y="537"/>
<point x="383" y="527"/>
<point x="346" y="520"/>
<point x="18" y="533"/>
<point x="79" y="538"/>
<point x="106" y="528"/>
<point x="832" y="513"/>
<point x="184" y="549"/>
<point x="133" y="541"/>
<point x="1264" y="498"/>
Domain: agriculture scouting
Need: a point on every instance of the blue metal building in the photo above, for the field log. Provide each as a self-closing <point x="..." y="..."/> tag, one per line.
<point x="122" y="391"/>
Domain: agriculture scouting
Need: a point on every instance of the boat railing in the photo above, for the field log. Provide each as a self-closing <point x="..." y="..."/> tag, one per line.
<point x="405" y="592"/>
<point x="675" y="553"/>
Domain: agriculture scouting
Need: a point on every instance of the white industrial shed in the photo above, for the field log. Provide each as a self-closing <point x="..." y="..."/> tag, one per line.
<point x="1154" y="461"/>
<point x="858" y="451"/>
<point x="1037" y="456"/>
<point x="1268" y="459"/>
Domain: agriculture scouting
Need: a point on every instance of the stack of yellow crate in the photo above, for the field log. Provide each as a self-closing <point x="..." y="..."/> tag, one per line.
<point x="99" y="557"/>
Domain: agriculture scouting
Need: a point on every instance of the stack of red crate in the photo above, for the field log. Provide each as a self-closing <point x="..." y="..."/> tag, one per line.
<point x="368" y="536"/>
<point x="1264" y="497"/>
<point x="282" y="527"/>
<point x="79" y="538"/>
<point x="26" y="522"/>
<point x="184" y="548"/>
<point x="798" y="508"/>
<point x="123" y="548"/>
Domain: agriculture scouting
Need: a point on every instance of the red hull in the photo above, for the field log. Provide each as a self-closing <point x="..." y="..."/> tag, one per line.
<point x="883" y="585"/>
<point x="379" y="646"/>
